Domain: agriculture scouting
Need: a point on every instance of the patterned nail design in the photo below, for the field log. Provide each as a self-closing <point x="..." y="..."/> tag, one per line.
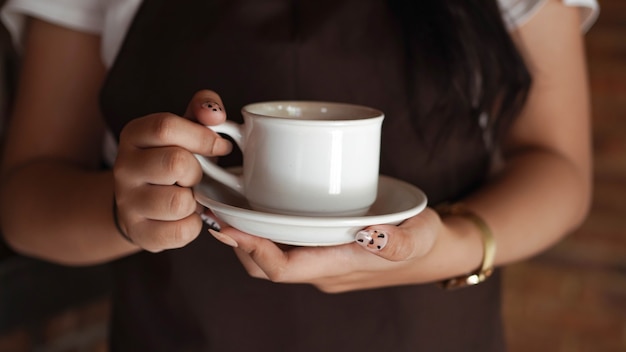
<point x="213" y="225"/>
<point x="213" y="106"/>
<point x="372" y="239"/>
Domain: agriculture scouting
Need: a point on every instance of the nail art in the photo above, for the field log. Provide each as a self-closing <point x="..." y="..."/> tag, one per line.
<point x="372" y="239"/>
<point x="213" y="106"/>
<point x="211" y="222"/>
<point x="225" y="239"/>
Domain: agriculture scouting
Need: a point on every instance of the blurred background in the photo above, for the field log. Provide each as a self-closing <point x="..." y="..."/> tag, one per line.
<point x="573" y="297"/>
<point x="569" y="299"/>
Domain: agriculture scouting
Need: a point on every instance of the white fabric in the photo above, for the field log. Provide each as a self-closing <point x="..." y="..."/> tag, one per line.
<point x="111" y="18"/>
<point x="518" y="12"/>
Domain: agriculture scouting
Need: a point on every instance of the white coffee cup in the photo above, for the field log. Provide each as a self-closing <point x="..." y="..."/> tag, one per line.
<point x="305" y="158"/>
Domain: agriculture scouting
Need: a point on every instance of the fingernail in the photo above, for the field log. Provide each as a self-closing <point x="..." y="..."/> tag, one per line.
<point x="221" y="146"/>
<point x="372" y="239"/>
<point x="210" y="221"/>
<point x="225" y="239"/>
<point x="213" y="106"/>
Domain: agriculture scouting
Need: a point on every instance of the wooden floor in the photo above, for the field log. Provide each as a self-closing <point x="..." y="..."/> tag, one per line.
<point x="573" y="298"/>
<point x="570" y="299"/>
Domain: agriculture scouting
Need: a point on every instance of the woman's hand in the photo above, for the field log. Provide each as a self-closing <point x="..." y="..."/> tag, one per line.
<point x="382" y="255"/>
<point x="156" y="168"/>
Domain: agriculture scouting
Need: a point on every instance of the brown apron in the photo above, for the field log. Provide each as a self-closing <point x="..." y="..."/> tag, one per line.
<point x="199" y="298"/>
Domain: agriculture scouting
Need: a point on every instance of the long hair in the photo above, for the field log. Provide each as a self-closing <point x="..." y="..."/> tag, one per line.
<point x="462" y="62"/>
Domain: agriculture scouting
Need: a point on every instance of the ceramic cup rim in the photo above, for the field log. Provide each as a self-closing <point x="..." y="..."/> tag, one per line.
<point x="362" y="113"/>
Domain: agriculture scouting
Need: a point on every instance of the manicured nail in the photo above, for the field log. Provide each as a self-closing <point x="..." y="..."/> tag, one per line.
<point x="210" y="221"/>
<point x="213" y="106"/>
<point x="372" y="239"/>
<point x="225" y="239"/>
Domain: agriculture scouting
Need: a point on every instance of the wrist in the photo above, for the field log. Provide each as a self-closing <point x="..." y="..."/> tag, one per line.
<point x="471" y="228"/>
<point x="457" y="251"/>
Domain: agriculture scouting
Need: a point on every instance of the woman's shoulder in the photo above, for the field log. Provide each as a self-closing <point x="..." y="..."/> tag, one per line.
<point x="517" y="12"/>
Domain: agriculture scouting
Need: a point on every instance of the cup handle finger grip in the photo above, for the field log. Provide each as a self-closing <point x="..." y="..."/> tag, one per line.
<point x="216" y="172"/>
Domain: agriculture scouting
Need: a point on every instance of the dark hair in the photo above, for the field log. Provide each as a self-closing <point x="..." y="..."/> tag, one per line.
<point x="462" y="61"/>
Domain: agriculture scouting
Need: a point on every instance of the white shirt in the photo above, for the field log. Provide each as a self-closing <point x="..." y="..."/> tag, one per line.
<point x="111" y="18"/>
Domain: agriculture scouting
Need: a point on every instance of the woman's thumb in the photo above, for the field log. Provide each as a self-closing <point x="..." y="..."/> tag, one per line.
<point x="397" y="243"/>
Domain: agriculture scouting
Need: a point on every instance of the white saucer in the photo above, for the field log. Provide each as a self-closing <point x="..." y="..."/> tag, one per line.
<point x="397" y="201"/>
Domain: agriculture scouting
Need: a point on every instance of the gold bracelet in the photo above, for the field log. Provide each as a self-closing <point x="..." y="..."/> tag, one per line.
<point x="489" y="247"/>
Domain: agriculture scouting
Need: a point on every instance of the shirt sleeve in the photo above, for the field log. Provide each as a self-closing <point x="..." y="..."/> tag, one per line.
<point x="81" y="15"/>
<point x="518" y="12"/>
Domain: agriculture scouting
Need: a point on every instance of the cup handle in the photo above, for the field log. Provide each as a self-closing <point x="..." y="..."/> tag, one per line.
<point x="216" y="172"/>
